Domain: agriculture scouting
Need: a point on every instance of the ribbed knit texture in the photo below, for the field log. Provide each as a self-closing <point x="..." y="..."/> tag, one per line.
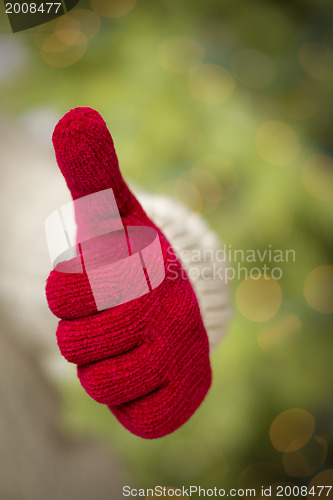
<point x="147" y="359"/>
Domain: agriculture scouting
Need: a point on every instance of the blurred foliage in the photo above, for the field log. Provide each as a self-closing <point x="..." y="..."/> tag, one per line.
<point x="269" y="63"/>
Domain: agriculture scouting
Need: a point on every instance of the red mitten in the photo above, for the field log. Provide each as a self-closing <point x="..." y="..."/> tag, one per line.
<point x="147" y="358"/>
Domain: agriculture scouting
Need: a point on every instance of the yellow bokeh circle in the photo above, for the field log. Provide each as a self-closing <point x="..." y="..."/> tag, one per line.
<point x="68" y="27"/>
<point x="64" y="50"/>
<point x="259" y="474"/>
<point x="68" y="30"/>
<point x="322" y="479"/>
<point x="258" y="297"/>
<point x="207" y="184"/>
<point x="291" y="430"/>
<point x="180" y="54"/>
<point x="317" y="61"/>
<point x="318" y="289"/>
<point x="282" y="336"/>
<point x="112" y="8"/>
<point x="184" y="191"/>
<point x="277" y="143"/>
<point x="224" y="172"/>
<point x="42" y="32"/>
<point x="64" y="41"/>
<point x="317" y="177"/>
<point x="307" y="460"/>
<point x="90" y="21"/>
<point x="211" y="84"/>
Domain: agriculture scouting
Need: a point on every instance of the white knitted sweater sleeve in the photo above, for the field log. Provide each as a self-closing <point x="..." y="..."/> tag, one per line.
<point x="197" y="248"/>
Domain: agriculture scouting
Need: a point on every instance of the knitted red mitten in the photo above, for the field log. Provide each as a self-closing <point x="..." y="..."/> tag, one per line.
<point x="148" y="358"/>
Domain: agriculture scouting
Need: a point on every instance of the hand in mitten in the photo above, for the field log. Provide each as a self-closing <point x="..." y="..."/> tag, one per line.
<point x="147" y="359"/>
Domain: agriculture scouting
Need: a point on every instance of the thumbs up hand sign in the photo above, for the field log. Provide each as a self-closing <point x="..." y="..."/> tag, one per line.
<point x="143" y="352"/>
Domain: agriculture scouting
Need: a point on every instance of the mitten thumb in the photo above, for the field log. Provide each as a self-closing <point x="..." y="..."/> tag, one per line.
<point x="87" y="158"/>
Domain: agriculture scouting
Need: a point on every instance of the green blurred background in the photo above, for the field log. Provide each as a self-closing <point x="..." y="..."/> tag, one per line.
<point x="228" y="107"/>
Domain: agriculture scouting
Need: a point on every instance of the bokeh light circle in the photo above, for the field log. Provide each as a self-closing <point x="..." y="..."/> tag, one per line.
<point x="112" y="8"/>
<point x="318" y="289"/>
<point x="224" y="172"/>
<point x="277" y="143"/>
<point x="259" y="474"/>
<point x="323" y="478"/>
<point x="282" y="336"/>
<point x="258" y="297"/>
<point x="317" y="61"/>
<point x="207" y="184"/>
<point x="45" y="30"/>
<point x="68" y="36"/>
<point x="180" y="54"/>
<point x="306" y="460"/>
<point x="317" y="177"/>
<point x="68" y="30"/>
<point x="211" y="84"/>
<point x="90" y="21"/>
<point x="292" y="429"/>
<point x="184" y="191"/>
<point x="63" y="41"/>
<point x="58" y="53"/>
<point x="253" y="68"/>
